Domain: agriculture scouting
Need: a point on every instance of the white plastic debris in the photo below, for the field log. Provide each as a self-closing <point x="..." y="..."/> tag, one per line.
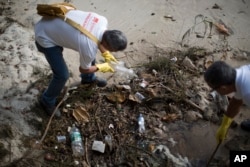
<point x="154" y="72"/>
<point x="172" y="141"/>
<point x="178" y="161"/>
<point x="111" y="126"/>
<point x="143" y="84"/>
<point x="98" y="146"/>
<point x="76" y="162"/>
<point x="174" y="59"/>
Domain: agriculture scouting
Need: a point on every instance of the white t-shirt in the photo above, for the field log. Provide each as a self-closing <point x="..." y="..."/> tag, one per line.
<point x="51" y="32"/>
<point x="243" y="84"/>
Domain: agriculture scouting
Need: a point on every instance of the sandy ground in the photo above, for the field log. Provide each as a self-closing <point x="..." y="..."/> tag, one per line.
<point x="148" y="25"/>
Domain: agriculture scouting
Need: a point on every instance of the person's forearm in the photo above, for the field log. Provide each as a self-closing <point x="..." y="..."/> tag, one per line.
<point x="91" y="69"/>
<point x="102" y="48"/>
<point x="233" y="107"/>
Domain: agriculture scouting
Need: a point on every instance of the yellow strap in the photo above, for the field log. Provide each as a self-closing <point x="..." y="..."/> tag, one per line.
<point x="80" y="28"/>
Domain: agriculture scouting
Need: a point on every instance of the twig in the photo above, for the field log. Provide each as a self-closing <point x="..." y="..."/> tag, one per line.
<point x="218" y="145"/>
<point x="187" y="101"/>
<point x="51" y="117"/>
<point x="97" y="120"/>
<point x="86" y="151"/>
<point x="146" y="163"/>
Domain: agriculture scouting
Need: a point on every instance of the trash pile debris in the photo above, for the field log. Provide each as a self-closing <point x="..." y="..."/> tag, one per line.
<point x="108" y="118"/>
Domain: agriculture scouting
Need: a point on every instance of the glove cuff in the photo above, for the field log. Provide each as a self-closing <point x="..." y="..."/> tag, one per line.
<point x="226" y="121"/>
<point x="104" y="54"/>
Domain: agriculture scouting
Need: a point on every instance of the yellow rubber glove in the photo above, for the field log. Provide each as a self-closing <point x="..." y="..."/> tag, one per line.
<point x="222" y="131"/>
<point x="108" y="57"/>
<point x="104" y="67"/>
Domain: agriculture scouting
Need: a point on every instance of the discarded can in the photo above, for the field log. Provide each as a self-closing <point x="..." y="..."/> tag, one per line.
<point x="61" y="138"/>
<point x="139" y="96"/>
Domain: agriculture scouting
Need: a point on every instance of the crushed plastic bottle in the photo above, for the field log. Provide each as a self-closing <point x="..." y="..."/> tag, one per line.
<point x="141" y="123"/>
<point x="76" y="141"/>
<point x="123" y="71"/>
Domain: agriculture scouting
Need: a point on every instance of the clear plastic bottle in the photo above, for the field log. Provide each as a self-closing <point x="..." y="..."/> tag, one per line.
<point x="120" y="68"/>
<point x="108" y="140"/>
<point x="76" y="141"/>
<point x="141" y="123"/>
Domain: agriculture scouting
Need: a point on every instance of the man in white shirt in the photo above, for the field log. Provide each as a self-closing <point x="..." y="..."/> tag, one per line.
<point x="53" y="34"/>
<point x="225" y="80"/>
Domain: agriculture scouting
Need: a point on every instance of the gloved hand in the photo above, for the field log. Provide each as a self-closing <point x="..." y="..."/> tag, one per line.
<point x="104" y="67"/>
<point x="222" y="131"/>
<point x="108" y="57"/>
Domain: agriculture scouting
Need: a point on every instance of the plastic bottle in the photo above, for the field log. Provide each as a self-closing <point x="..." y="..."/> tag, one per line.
<point x="141" y="123"/>
<point x="76" y="141"/>
<point x="108" y="140"/>
<point x="120" y="68"/>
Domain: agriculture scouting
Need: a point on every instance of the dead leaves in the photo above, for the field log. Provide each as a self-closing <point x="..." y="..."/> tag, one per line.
<point x="117" y="97"/>
<point x="221" y="28"/>
<point x="81" y="115"/>
<point x="170" y="117"/>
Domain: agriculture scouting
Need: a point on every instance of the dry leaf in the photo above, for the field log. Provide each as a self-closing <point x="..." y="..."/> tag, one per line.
<point x="81" y="114"/>
<point x="151" y="147"/>
<point x="132" y="98"/>
<point x="221" y="28"/>
<point x="208" y="63"/>
<point x="116" y="97"/>
<point x="152" y="92"/>
<point x="123" y="87"/>
<point x="170" y="117"/>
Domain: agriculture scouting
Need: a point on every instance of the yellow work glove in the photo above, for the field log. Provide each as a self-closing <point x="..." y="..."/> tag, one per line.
<point x="108" y="57"/>
<point x="222" y="131"/>
<point x="104" y="67"/>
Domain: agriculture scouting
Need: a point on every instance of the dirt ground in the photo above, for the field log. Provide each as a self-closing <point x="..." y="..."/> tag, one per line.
<point x="168" y="50"/>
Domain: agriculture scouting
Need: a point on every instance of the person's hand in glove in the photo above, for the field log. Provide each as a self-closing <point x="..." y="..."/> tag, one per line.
<point x="104" y="67"/>
<point x="222" y="131"/>
<point x="108" y="57"/>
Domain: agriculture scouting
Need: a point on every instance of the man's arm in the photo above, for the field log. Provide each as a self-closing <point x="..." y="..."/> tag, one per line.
<point x="232" y="110"/>
<point x="234" y="107"/>
<point x="91" y="69"/>
<point x="102" y="48"/>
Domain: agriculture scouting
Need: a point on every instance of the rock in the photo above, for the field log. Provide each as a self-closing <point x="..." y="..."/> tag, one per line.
<point x="158" y="131"/>
<point x="188" y="63"/>
<point x="191" y="116"/>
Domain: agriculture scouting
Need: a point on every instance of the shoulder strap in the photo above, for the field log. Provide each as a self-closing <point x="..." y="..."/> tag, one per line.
<point x="80" y="28"/>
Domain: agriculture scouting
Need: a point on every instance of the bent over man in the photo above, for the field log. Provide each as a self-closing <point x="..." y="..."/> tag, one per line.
<point x="53" y="34"/>
<point x="225" y="79"/>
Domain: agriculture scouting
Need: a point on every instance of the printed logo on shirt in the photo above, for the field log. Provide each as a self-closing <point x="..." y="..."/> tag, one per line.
<point x="95" y="19"/>
<point x="90" y="22"/>
<point x="86" y="20"/>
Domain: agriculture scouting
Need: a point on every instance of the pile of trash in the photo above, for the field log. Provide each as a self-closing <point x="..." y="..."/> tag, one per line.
<point x="123" y="124"/>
